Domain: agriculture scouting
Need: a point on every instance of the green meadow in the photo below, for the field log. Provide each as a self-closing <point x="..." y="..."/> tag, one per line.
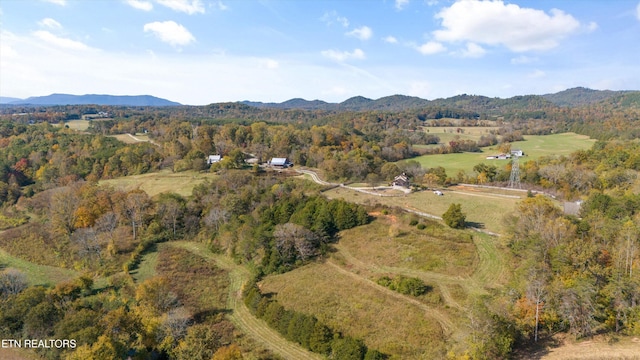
<point x="534" y="147"/>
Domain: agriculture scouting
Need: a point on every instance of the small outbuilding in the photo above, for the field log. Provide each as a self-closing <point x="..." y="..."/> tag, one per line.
<point x="438" y="192"/>
<point x="517" y="152"/>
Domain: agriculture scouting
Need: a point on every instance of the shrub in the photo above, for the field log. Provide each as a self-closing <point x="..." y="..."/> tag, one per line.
<point x="454" y="217"/>
<point x="413" y="222"/>
<point x="421" y="226"/>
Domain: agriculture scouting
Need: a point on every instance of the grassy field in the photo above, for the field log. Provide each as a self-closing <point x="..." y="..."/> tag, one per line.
<point x="534" y="148"/>
<point x="79" y="125"/>
<point x="361" y="308"/>
<point x="484" y="209"/>
<point x="36" y="274"/>
<point x="163" y="181"/>
<point x="132" y="139"/>
<point x="448" y="133"/>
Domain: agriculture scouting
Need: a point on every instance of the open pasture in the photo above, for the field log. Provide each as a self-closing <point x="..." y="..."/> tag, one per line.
<point x="181" y="183"/>
<point x="448" y="133"/>
<point x="483" y="208"/>
<point x="78" y="125"/>
<point x="534" y="147"/>
<point x="360" y="308"/>
<point x="391" y="242"/>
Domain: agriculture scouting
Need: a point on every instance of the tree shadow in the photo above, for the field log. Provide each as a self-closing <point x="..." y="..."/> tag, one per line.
<point x="473" y="224"/>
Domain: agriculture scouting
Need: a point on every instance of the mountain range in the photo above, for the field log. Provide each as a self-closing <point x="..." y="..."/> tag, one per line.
<point x="90" y="99"/>
<point x="571" y="97"/>
<point x="568" y="98"/>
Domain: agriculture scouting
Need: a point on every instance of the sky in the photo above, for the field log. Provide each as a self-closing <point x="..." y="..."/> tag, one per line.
<point x="199" y="52"/>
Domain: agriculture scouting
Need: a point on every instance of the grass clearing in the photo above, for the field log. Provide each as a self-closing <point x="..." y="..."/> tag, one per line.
<point x="360" y="308"/>
<point x="37" y="274"/>
<point x="147" y="267"/>
<point x="410" y="248"/>
<point x="448" y="133"/>
<point x="78" y="125"/>
<point x="163" y="181"/>
<point x="485" y="211"/>
<point x="534" y="147"/>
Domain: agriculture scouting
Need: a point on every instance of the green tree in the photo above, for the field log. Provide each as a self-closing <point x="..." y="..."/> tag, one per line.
<point x="454" y="217"/>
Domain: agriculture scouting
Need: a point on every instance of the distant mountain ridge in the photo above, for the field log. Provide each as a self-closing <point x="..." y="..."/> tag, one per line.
<point x="7" y="100"/>
<point x="571" y="97"/>
<point x="95" y="99"/>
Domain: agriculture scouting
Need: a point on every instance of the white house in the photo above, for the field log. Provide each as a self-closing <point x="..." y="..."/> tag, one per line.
<point x="214" y="159"/>
<point x="517" y="152"/>
<point x="280" y="162"/>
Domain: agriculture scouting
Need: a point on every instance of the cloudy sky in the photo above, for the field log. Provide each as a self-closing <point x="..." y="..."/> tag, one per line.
<point x="204" y="51"/>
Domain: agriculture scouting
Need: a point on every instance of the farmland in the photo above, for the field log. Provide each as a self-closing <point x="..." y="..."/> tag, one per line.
<point x="534" y="148"/>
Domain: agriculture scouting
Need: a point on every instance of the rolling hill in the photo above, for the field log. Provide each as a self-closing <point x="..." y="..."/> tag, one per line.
<point x="93" y="99"/>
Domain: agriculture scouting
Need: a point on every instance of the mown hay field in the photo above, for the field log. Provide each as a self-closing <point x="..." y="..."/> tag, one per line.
<point x="360" y="308"/>
<point x="163" y="181"/>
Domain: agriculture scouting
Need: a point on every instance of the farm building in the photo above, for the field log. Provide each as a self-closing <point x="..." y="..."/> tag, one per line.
<point x="401" y="180"/>
<point x="438" y="192"/>
<point x="213" y="159"/>
<point x="280" y="162"/>
<point x="517" y="152"/>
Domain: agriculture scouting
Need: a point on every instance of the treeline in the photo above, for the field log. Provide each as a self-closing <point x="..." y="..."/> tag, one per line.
<point x="307" y="330"/>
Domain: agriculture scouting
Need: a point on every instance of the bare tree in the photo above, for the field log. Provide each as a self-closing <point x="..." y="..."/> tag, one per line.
<point x="177" y="322"/>
<point x="216" y="217"/>
<point x="136" y="205"/>
<point x="12" y="282"/>
<point x="87" y="242"/>
<point x="536" y="293"/>
<point x="293" y="239"/>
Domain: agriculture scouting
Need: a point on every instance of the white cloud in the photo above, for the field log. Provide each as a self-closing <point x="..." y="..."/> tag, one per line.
<point x="270" y="64"/>
<point x="341" y="56"/>
<point x="473" y="50"/>
<point x="362" y="33"/>
<point x="592" y="26"/>
<point x="221" y="6"/>
<point x="390" y="39"/>
<point x="332" y="17"/>
<point x="50" y="23"/>
<point x="400" y="4"/>
<point x="170" y="32"/>
<point x="186" y="6"/>
<point x="61" y="42"/>
<point x="140" y="4"/>
<point x="638" y="11"/>
<point x="523" y="60"/>
<point x="537" y="74"/>
<point x="430" y="48"/>
<point x="57" y="2"/>
<point x="497" y="23"/>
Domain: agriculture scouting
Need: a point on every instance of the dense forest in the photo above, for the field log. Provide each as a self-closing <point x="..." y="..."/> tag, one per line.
<point x="576" y="274"/>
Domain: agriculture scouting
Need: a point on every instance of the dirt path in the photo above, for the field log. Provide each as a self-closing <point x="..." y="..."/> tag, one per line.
<point x="447" y="325"/>
<point x="241" y="316"/>
<point x="437" y="279"/>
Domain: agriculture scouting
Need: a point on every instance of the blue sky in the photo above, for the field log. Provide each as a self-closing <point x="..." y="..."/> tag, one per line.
<point x="204" y="51"/>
